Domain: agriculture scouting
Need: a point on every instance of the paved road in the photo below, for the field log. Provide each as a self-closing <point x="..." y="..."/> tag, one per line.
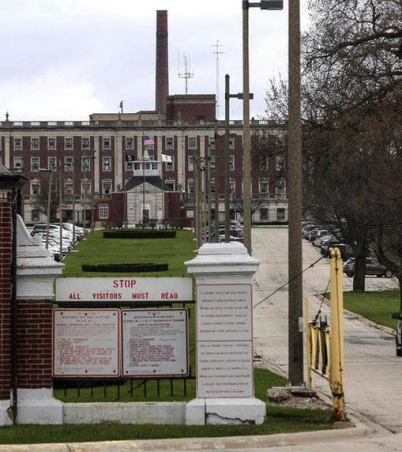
<point x="373" y="374"/>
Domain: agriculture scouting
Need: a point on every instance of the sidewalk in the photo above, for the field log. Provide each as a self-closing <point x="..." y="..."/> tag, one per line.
<point x="372" y="371"/>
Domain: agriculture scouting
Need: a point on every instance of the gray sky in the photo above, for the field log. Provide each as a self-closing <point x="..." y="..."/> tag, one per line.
<point x="66" y="59"/>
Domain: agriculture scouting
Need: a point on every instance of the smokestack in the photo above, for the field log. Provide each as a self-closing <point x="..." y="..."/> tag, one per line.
<point x="162" y="62"/>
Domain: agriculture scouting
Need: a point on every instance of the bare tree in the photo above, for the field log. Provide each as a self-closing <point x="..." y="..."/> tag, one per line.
<point x="40" y="201"/>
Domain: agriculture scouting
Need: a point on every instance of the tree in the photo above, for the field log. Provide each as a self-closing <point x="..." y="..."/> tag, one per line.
<point x="351" y="118"/>
<point x="41" y="200"/>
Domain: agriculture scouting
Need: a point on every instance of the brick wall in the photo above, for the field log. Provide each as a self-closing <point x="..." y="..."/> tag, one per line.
<point x="5" y="295"/>
<point x="34" y="339"/>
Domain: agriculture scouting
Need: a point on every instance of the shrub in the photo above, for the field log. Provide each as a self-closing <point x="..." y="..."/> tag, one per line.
<point x="126" y="268"/>
<point x="139" y="234"/>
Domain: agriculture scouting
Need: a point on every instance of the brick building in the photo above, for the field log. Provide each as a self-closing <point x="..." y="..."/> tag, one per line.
<point x="96" y="159"/>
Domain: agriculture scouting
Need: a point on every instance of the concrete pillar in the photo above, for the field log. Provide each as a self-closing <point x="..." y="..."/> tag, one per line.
<point x="225" y="383"/>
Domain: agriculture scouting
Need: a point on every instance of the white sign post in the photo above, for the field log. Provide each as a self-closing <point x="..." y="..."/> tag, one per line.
<point x="225" y="384"/>
<point x="155" y="343"/>
<point x="86" y="342"/>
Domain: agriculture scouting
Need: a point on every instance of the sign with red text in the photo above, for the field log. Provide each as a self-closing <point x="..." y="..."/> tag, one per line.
<point x="154" y="342"/>
<point x="86" y="342"/>
<point x="224" y="341"/>
<point x="123" y="289"/>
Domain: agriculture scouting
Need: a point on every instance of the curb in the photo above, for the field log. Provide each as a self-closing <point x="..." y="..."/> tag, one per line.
<point x="203" y="444"/>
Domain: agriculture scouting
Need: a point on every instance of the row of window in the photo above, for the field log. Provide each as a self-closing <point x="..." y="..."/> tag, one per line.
<point x="106" y="187"/>
<point x="264" y="214"/>
<point x="280" y="186"/>
<point x="67" y="167"/>
<point x="106" y="143"/>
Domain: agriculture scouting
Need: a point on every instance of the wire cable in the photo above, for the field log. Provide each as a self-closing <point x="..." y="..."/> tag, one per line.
<point x="287" y="282"/>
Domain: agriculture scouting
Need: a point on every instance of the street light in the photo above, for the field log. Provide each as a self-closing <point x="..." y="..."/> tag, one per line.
<point x="266" y="5"/>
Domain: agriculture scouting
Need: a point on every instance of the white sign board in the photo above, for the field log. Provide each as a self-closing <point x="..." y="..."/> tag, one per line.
<point x="123" y="289"/>
<point x="224" y="341"/>
<point x="155" y="342"/>
<point x="86" y="342"/>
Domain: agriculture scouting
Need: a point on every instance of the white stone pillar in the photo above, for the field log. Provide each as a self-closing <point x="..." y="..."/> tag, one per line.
<point x="225" y="383"/>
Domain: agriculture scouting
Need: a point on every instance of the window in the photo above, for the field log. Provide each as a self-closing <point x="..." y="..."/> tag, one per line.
<point x="34" y="144"/>
<point x="231" y="162"/>
<point x="103" y="211"/>
<point x="35" y="215"/>
<point x="68" y="163"/>
<point x="68" y="144"/>
<point x="192" y="142"/>
<point x="264" y="213"/>
<point x="212" y="188"/>
<point x="85" y="144"/>
<point x="129" y="143"/>
<point x="280" y="187"/>
<point x="34" y="164"/>
<point x="106" y="163"/>
<point x="231" y="186"/>
<point x="231" y="143"/>
<point x="211" y="141"/>
<point x="280" y="214"/>
<point x="85" y="164"/>
<point x="17" y="144"/>
<point x="264" y="187"/>
<point x="106" y="187"/>
<point x="137" y="166"/>
<point x="18" y="164"/>
<point x="86" y="189"/>
<point x="170" y="184"/>
<point x="280" y="163"/>
<point x="51" y="163"/>
<point x="51" y="144"/>
<point x="263" y="163"/>
<point x="68" y="191"/>
<point x="35" y="187"/>
<point x="169" y="166"/>
<point x="212" y="162"/>
<point x="106" y="143"/>
<point x="190" y="187"/>
<point x="169" y="143"/>
<point x="190" y="163"/>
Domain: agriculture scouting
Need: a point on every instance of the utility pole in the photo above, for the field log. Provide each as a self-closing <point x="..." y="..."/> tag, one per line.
<point x="49" y="200"/>
<point x="296" y="377"/>
<point x="61" y="212"/>
<point x="217" y="52"/>
<point x="246" y="134"/>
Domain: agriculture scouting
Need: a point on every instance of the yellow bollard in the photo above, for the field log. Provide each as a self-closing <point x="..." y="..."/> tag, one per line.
<point x="336" y="353"/>
<point x="308" y="344"/>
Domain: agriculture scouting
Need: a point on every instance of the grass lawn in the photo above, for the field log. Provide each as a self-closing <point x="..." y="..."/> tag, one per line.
<point x="97" y="250"/>
<point x="376" y="306"/>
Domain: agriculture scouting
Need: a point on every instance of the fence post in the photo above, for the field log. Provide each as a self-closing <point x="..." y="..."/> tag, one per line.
<point x="337" y="354"/>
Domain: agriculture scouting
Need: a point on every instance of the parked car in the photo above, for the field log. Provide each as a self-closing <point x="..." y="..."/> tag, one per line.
<point x="373" y="267"/>
<point x="398" y="334"/>
<point x="327" y="244"/>
<point x="319" y="236"/>
<point x="306" y="230"/>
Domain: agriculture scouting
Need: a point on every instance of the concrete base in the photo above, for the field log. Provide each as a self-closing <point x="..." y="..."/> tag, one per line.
<point x="37" y="406"/>
<point x="5" y="419"/>
<point x="225" y="411"/>
<point x="125" y="413"/>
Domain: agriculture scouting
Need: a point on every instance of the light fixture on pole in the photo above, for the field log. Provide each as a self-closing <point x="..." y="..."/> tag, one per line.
<point x="266" y="5"/>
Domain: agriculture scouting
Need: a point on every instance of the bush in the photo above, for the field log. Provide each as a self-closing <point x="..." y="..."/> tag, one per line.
<point x="139" y="234"/>
<point x="126" y="268"/>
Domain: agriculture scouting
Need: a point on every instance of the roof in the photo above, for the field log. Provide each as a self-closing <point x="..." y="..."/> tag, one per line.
<point x="156" y="181"/>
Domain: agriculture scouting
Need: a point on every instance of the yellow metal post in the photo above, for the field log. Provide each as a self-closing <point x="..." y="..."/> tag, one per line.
<point x="308" y="344"/>
<point x="336" y="354"/>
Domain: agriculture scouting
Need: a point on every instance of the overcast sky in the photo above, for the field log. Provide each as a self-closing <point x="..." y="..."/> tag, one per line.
<point x="66" y="59"/>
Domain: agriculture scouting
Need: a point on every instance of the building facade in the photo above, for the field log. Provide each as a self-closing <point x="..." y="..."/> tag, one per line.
<point x="94" y="161"/>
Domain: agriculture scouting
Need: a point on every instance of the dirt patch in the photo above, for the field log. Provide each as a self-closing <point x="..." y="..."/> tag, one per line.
<point x="296" y="398"/>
